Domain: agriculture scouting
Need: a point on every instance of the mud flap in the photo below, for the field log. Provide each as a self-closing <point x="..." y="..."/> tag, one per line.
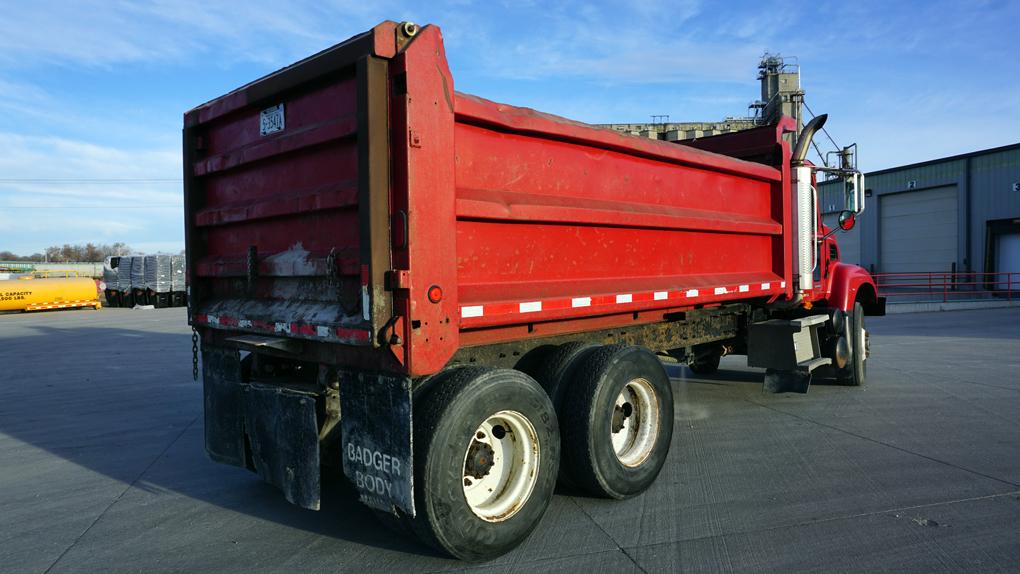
<point x="224" y="414"/>
<point x="376" y="427"/>
<point x="281" y="426"/>
<point x="777" y="381"/>
<point x="278" y="423"/>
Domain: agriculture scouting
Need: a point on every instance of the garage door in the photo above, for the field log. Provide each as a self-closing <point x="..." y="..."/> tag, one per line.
<point x="1007" y="258"/>
<point x="918" y="230"/>
<point x="849" y="241"/>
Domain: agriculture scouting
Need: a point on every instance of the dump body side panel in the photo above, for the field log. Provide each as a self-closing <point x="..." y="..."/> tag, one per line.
<point x="557" y="221"/>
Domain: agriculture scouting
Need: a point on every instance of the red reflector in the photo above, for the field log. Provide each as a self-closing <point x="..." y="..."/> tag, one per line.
<point x="435" y="294"/>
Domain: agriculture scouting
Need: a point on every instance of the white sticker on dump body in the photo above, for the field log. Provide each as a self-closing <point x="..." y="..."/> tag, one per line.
<point x="271" y="120"/>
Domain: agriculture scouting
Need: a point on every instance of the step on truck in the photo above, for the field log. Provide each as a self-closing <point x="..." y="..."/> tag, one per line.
<point x="462" y="304"/>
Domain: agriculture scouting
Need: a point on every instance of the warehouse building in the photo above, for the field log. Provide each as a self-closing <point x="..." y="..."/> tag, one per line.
<point x="960" y="213"/>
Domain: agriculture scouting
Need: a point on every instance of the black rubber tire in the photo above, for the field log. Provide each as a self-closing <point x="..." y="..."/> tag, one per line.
<point x="530" y="362"/>
<point x="588" y="412"/>
<point x="554" y="373"/>
<point x="444" y="422"/>
<point x="855" y="374"/>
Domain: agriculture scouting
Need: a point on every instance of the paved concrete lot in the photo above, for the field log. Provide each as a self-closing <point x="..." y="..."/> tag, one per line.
<point x="102" y="467"/>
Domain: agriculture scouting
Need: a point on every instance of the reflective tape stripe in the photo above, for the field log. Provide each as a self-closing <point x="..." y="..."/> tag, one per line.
<point x="531" y="307"/>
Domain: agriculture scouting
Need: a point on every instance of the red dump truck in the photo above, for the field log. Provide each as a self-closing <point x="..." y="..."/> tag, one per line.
<point x="462" y="303"/>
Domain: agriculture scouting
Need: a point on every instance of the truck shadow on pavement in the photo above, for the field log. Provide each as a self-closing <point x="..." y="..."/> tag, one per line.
<point x="728" y="377"/>
<point x="122" y="403"/>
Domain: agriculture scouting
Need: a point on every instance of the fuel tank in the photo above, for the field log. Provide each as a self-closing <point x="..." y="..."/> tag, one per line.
<point x="42" y="293"/>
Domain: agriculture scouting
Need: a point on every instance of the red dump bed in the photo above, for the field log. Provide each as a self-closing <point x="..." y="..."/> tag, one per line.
<point x="355" y="202"/>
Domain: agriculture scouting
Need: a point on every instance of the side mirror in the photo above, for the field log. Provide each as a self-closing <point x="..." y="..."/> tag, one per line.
<point x="853" y="192"/>
<point x="847" y="219"/>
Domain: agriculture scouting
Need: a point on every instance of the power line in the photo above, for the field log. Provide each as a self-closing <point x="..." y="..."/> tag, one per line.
<point x="90" y="180"/>
<point x="824" y="131"/>
<point x="152" y="206"/>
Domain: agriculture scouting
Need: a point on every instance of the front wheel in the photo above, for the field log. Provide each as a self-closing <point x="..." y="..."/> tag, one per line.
<point x="856" y="371"/>
<point x="486" y="454"/>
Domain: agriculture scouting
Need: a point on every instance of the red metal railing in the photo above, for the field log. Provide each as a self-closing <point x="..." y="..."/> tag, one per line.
<point x="948" y="286"/>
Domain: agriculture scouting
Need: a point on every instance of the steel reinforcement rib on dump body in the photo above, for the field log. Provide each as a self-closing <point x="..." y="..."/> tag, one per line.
<point x="558" y="221"/>
<point x="286" y="198"/>
<point x="475" y="223"/>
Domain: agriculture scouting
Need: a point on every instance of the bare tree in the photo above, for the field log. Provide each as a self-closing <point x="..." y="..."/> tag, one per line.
<point x="93" y="252"/>
<point x="67" y="253"/>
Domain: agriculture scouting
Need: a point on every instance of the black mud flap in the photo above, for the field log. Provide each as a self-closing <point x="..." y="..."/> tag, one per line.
<point x="777" y="381"/>
<point x="281" y="426"/>
<point x="224" y="405"/>
<point x="375" y="424"/>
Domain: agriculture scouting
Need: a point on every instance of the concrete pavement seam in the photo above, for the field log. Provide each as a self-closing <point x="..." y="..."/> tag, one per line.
<point x="832" y="519"/>
<point x="608" y="535"/>
<point x="885" y="444"/>
<point x="965" y="381"/>
<point x="119" y="496"/>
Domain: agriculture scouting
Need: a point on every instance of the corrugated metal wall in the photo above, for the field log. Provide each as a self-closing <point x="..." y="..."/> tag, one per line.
<point x="984" y="192"/>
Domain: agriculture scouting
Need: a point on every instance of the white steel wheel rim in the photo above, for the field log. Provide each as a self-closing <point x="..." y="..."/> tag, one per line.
<point x="498" y="488"/>
<point x="634" y="426"/>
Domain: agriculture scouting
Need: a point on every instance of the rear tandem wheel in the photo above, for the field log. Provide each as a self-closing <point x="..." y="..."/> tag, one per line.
<point x="617" y="421"/>
<point x="486" y="454"/>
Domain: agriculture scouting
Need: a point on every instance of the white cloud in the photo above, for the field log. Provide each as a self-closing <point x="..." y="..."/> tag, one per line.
<point x="651" y="42"/>
<point x="36" y="214"/>
<point x="100" y="33"/>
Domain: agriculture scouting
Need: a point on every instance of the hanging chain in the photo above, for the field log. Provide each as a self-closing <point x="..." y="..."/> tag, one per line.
<point x="331" y="272"/>
<point x="194" y="354"/>
<point x="252" y="268"/>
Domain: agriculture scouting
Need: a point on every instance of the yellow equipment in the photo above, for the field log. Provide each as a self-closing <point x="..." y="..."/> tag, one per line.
<point x="50" y="275"/>
<point x="42" y="293"/>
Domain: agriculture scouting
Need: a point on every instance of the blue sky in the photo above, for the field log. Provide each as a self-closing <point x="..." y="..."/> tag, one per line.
<point x="96" y="90"/>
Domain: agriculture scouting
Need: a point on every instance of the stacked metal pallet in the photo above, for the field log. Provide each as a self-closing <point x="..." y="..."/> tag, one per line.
<point x="126" y="297"/>
<point x="111" y="281"/>
<point x="178" y="296"/>
<point x="138" y="280"/>
<point x="158" y="279"/>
